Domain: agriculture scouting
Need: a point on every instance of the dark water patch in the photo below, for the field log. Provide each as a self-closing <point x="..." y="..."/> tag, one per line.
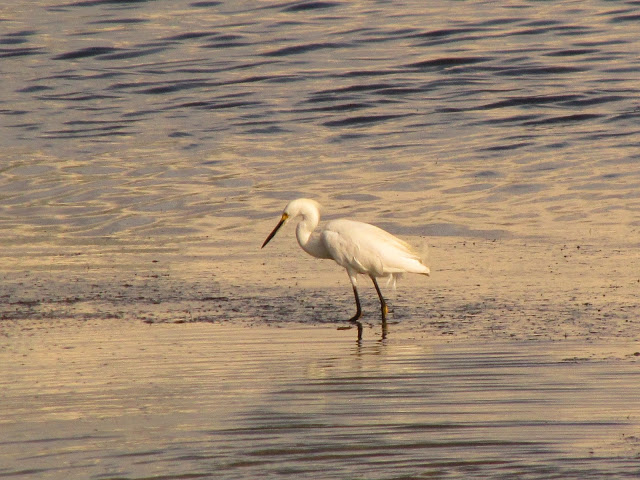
<point x="107" y="131"/>
<point x="131" y="54"/>
<point x="96" y="3"/>
<point x="528" y="101"/>
<point x="85" y="52"/>
<point x="610" y="136"/>
<point x="190" y="36"/>
<point x="515" y="119"/>
<point x="635" y="115"/>
<point x="375" y="35"/>
<point x="626" y="18"/>
<point x="394" y="146"/>
<point x="541" y="23"/>
<point x="571" y="52"/>
<point x="119" y="21"/>
<point x="444" y="33"/>
<point x="180" y="135"/>
<point x="343" y="107"/>
<point x="269" y="130"/>
<point x="347" y="137"/>
<point x="593" y="100"/>
<point x="447" y="62"/>
<point x="305" y="6"/>
<point x="300" y="49"/>
<point x="522" y="188"/>
<point x="220" y="105"/>
<point x="600" y="43"/>
<point x="260" y="78"/>
<point x="486" y="174"/>
<point x="547" y="166"/>
<point x="626" y="69"/>
<point x="20" y="52"/>
<point x="35" y="88"/>
<point x="357" y="197"/>
<point x="129" y="86"/>
<point x="541" y="71"/>
<point x="507" y="146"/>
<point x="228" y="37"/>
<point x="400" y="90"/>
<point x="361" y="87"/>
<point x="379" y="72"/>
<point x="142" y="113"/>
<point x="579" y="117"/>
<point x="205" y="4"/>
<point x="77" y="97"/>
<point x="226" y="41"/>
<point x="361" y="120"/>
<point x="175" y="87"/>
<point x="21" y="33"/>
<point x="12" y="40"/>
<point x="500" y="21"/>
<point x="561" y="30"/>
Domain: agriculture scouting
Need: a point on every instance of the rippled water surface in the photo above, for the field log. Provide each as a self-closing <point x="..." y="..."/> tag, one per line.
<point x="148" y="148"/>
<point x="138" y="118"/>
<point x="212" y="401"/>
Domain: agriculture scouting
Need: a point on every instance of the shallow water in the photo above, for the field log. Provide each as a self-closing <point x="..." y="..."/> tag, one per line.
<point x="127" y="400"/>
<point x="148" y="149"/>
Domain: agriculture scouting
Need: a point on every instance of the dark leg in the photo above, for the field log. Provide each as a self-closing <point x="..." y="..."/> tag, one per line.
<point x="383" y="304"/>
<point x="358" y="308"/>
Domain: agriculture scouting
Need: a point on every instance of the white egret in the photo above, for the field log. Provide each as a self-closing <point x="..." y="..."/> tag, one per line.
<point x="359" y="247"/>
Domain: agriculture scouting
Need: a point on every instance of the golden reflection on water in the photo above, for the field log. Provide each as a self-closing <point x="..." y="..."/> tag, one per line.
<point x="80" y="396"/>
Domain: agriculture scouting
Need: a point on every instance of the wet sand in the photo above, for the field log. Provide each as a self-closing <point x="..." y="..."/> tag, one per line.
<point x="125" y="399"/>
<point x="509" y="288"/>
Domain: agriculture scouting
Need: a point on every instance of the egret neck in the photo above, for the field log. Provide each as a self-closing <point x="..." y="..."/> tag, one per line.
<point x="309" y="240"/>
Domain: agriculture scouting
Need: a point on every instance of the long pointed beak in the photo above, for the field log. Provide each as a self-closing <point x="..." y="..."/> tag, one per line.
<point x="275" y="230"/>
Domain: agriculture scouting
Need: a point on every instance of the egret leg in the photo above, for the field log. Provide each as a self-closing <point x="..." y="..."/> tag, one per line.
<point x="383" y="304"/>
<point x="358" y="314"/>
<point x="358" y="308"/>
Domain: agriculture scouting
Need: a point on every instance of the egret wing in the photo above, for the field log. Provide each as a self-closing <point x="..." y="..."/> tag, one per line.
<point x="368" y="249"/>
<point x="346" y="249"/>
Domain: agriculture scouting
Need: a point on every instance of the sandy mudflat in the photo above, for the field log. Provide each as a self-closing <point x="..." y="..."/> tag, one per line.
<point x="125" y="399"/>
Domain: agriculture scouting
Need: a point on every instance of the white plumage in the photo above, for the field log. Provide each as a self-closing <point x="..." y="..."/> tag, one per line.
<point x="359" y="247"/>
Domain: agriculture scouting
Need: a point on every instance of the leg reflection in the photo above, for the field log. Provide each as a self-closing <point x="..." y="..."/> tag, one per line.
<point x="359" y="326"/>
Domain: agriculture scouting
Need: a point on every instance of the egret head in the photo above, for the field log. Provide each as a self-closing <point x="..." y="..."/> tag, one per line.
<point x="309" y="209"/>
